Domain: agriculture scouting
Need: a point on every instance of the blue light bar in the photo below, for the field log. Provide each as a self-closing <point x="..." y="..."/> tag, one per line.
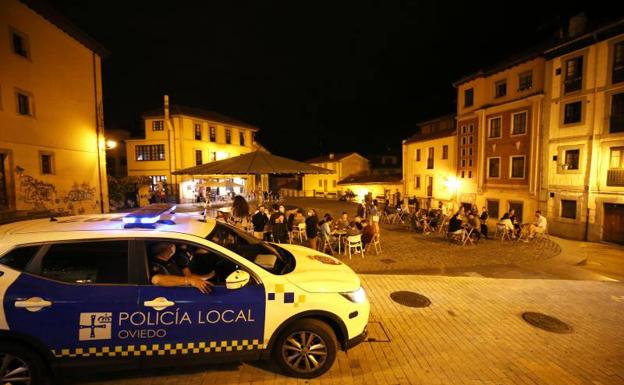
<point x="149" y="215"/>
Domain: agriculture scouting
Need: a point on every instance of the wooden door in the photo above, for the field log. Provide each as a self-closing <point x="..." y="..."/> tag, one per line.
<point x="613" y="226"/>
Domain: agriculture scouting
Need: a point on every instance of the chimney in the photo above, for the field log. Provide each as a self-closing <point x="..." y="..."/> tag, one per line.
<point x="331" y="155"/>
<point x="576" y="25"/>
<point x="166" y="104"/>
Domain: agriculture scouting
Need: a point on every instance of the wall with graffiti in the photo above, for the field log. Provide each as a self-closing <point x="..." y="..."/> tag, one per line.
<point x="79" y="198"/>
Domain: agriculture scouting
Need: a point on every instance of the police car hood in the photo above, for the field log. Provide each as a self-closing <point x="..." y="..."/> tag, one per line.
<point x="316" y="272"/>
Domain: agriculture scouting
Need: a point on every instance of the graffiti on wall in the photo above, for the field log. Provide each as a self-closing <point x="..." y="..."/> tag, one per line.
<point x="42" y="195"/>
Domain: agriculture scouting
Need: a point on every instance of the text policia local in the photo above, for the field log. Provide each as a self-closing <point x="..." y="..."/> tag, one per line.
<point x="128" y="322"/>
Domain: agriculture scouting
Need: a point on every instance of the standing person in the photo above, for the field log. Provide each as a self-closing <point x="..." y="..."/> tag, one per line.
<point x="361" y="211"/>
<point x="312" y="228"/>
<point x="398" y="197"/>
<point x="259" y="221"/>
<point x="240" y="212"/>
<point x="280" y="232"/>
<point x="484" y="217"/>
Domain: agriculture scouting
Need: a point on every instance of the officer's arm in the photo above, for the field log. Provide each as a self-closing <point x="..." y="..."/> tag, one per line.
<point x="174" y="280"/>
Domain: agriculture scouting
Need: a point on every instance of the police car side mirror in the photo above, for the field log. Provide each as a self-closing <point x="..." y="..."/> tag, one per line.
<point x="237" y="279"/>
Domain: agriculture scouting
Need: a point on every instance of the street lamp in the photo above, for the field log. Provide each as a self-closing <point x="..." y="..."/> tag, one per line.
<point x="111" y="144"/>
<point x="453" y="184"/>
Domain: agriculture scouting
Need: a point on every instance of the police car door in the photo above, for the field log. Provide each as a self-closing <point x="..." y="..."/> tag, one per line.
<point x="70" y="299"/>
<point x="186" y="322"/>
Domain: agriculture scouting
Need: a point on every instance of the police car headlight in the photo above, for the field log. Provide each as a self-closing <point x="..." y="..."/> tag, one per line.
<point x="358" y="296"/>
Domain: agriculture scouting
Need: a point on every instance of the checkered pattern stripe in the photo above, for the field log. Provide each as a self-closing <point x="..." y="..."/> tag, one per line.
<point x="161" y="349"/>
<point x="286" y="296"/>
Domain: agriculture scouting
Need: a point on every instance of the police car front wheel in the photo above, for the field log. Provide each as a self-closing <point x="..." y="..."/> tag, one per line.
<point x="306" y="349"/>
<point x="21" y="366"/>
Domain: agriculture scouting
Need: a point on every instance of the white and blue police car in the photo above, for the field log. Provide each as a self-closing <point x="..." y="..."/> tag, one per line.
<point x="77" y="293"/>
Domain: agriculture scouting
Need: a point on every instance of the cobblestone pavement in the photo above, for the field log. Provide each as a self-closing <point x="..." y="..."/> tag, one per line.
<point x="471" y="334"/>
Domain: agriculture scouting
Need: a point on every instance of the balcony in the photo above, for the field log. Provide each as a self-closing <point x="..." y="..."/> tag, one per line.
<point x="615" y="177"/>
<point x="572" y="84"/>
<point x="616" y="124"/>
<point x="429" y="163"/>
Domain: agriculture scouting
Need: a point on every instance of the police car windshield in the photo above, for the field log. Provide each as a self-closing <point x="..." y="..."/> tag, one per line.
<point x="263" y="254"/>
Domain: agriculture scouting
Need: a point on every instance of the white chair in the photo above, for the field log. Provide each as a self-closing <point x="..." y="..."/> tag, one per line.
<point x="300" y="232"/>
<point x="354" y="243"/>
<point x="502" y="232"/>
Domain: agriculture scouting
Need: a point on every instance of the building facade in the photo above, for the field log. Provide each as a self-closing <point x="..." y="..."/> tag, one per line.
<point x="179" y="137"/>
<point x="343" y="165"/>
<point x="583" y="159"/>
<point x="52" y="146"/>
<point x="429" y="162"/>
<point x="116" y="157"/>
<point x="499" y="114"/>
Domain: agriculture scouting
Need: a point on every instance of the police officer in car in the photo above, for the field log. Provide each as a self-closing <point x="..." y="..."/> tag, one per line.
<point x="170" y="269"/>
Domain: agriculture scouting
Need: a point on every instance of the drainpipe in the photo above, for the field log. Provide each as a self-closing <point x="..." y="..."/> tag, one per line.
<point x="97" y="133"/>
<point x="590" y="149"/>
<point x="170" y="138"/>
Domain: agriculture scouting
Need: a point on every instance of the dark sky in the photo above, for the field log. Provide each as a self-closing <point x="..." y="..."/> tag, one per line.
<point x="314" y="76"/>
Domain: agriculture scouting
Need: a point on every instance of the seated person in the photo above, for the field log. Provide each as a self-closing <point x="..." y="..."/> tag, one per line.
<point x="508" y="224"/>
<point x="170" y="269"/>
<point x="325" y="226"/>
<point x="368" y="232"/>
<point x="455" y="224"/>
<point x="539" y="226"/>
<point x="475" y="224"/>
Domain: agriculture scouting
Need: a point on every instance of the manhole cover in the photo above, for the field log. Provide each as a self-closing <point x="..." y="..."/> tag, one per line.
<point x="546" y="322"/>
<point x="387" y="261"/>
<point x="409" y="298"/>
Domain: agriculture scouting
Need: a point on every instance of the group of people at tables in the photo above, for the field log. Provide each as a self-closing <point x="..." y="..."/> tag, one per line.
<point x="469" y="223"/>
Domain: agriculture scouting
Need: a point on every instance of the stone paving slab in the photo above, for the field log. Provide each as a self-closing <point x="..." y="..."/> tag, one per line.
<point x="471" y="334"/>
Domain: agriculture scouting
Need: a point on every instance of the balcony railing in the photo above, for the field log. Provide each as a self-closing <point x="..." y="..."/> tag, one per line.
<point x="616" y="124"/>
<point x="615" y="177"/>
<point x="573" y="84"/>
<point x="429" y="163"/>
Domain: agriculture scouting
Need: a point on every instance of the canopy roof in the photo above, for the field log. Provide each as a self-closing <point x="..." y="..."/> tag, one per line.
<point x="257" y="162"/>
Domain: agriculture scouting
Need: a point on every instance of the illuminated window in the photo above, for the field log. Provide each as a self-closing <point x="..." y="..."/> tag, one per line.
<point x="500" y="88"/>
<point x="198" y="157"/>
<point x="495" y="127"/>
<point x="617" y="157"/>
<point x="158" y="125"/>
<point x="241" y="139"/>
<point x="417" y="181"/>
<point x="213" y="134"/>
<point x="572" y="112"/>
<point x="445" y="152"/>
<point x="228" y="136"/>
<point x="157" y="180"/>
<point x="572" y="159"/>
<point x="519" y="123"/>
<point x="198" y="133"/>
<point x="150" y="152"/>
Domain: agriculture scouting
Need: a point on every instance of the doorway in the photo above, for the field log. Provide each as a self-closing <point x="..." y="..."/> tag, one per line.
<point x="613" y="226"/>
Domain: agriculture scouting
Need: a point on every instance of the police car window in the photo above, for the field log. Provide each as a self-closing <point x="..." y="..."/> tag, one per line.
<point x="19" y="258"/>
<point x="273" y="259"/>
<point x="87" y="262"/>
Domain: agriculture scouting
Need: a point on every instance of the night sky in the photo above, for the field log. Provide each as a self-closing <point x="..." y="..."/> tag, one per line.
<point x="314" y="76"/>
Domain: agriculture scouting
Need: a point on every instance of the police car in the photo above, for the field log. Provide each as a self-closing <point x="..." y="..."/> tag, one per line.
<point x="77" y="293"/>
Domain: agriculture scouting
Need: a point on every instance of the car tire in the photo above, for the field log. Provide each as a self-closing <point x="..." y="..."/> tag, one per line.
<point x="306" y="348"/>
<point x="22" y="362"/>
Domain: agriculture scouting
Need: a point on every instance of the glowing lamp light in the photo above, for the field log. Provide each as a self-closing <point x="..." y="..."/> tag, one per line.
<point x="110" y="144"/>
<point x="452" y="183"/>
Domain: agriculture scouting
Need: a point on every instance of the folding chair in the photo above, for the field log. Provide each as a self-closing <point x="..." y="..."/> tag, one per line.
<point x="466" y="236"/>
<point x="354" y="242"/>
<point x="376" y="243"/>
<point x="502" y="232"/>
<point x="427" y="226"/>
<point x="326" y="244"/>
<point x="299" y="231"/>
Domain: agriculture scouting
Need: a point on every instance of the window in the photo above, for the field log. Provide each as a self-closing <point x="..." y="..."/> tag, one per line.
<point x="241" y="138"/>
<point x="156" y="180"/>
<point x="463" y="163"/>
<point x="417" y="181"/>
<point x="573" y="74"/>
<point x="463" y="174"/>
<point x="470" y="139"/>
<point x="87" y="262"/>
<point x="568" y="209"/>
<point x="492" y="208"/>
<point x="470" y="151"/>
<point x="469" y="174"/>
<point x="213" y="134"/>
<point x="445" y="152"/>
<point x="418" y="155"/>
<point x="158" y="125"/>
<point x="18" y="258"/>
<point x="572" y="112"/>
<point x="24" y="104"/>
<point x="493" y="167"/>
<point x="469" y="162"/>
<point x="519" y="123"/>
<point x="617" y="157"/>
<point x="198" y="133"/>
<point x="463" y="140"/>
<point x="213" y="155"/>
<point x="617" y="74"/>
<point x="616" y="120"/>
<point x="615" y="174"/>
<point x="525" y="81"/>
<point x="198" y="157"/>
<point x="495" y="127"/>
<point x="463" y="129"/>
<point x="463" y="152"/>
<point x="468" y="97"/>
<point x="150" y="152"/>
<point x="430" y="158"/>
<point x="19" y="43"/>
<point x="500" y="88"/>
<point x="470" y="128"/>
<point x="47" y="163"/>
<point x="228" y="136"/>
<point x="572" y="159"/>
<point x="517" y="167"/>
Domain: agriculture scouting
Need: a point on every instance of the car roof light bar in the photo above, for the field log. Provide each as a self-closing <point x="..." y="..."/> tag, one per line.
<point x="147" y="216"/>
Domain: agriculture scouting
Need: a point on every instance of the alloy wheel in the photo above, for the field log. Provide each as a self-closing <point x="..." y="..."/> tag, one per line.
<point x="304" y="351"/>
